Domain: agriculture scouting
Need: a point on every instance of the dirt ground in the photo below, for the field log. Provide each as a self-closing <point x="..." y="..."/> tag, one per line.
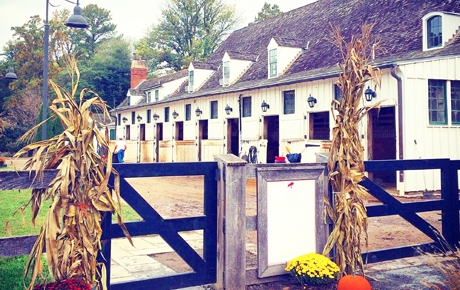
<point x="174" y="197"/>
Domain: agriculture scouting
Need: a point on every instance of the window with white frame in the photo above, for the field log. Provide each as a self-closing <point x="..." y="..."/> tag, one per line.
<point x="246" y="107"/>
<point x="226" y="72"/>
<point x="455" y="102"/>
<point x="214" y="110"/>
<point x="191" y="78"/>
<point x="156" y="95"/>
<point x="149" y="97"/>
<point x="289" y="102"/>
<point x="444" y="102"/>
<point x="434" y="31"/>
<point x="166" y="114"/>
<point x="188" y="112"/>
<point x="273" y="63"/>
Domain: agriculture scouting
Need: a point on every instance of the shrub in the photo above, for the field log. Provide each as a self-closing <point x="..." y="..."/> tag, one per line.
<point x="313" y="269"/>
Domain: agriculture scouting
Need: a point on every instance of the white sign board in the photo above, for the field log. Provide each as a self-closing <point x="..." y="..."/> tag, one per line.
<point x="290" y="214"/>
<point x="290" y="220"/>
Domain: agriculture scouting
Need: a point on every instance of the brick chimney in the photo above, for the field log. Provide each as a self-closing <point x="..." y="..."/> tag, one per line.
<point x="138" y="71"/>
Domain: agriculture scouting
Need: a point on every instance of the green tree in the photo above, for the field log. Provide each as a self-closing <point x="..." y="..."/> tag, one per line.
<point x="267" y="12"/>
<point x="189" y="30"/>
<point x="100" y="30"/>
<point x="108" y="72"/>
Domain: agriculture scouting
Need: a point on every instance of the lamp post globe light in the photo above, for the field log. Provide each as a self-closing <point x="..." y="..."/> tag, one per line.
<point x="76" y="21"/>
<point x="10" y="75"/>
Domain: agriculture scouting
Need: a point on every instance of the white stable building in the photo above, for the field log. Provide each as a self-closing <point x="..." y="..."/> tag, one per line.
<point x="251" y="95"/>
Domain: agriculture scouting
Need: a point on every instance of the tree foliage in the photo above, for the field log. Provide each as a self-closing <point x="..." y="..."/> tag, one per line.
<point x="189" y="30"/>
<point x="100" y="30"/>
<point x="107" y="72"/>
<point x="268" y="11"/>
<point x="25" y="53"/>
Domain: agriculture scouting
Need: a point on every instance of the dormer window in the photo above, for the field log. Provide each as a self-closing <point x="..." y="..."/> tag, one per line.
<point x="149" y="97"/>
<point x="226" y="73"/>
<point x="129" y="100"/>
<point x="156" y="95"/>
<point x="273" y="63"/>
<point x="434" y="32"/>
<point x="191" y="78"/>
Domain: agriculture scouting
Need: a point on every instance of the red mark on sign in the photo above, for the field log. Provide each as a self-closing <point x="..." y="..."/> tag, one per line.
<point x="290" y="185"/>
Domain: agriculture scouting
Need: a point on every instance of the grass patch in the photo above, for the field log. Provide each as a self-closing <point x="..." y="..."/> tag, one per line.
<point x="11" y="200"/>
<point x="12" y="271"/>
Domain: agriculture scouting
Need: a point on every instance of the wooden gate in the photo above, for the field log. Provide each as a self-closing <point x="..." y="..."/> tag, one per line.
<point x="449" y="205"/>
<point x="204" y="269"/>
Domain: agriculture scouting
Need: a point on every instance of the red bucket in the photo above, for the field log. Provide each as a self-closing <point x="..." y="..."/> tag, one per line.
<point x="280" y="159"/>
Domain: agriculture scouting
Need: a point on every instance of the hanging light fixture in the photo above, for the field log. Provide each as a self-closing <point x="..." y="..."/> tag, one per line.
<point x="369" y="94"/>
<point x="311" y="101"/>
<point x="125" y="119"/>
<point x="265" y="106"/>
<point x="175" y="114"/>
<point x="155" y="116"/>
<point x="228" y="109"/>
<point x="11" y="75"/>
<point x="77" y="20"/>
<point x="139" y="118"/>
<point x="198" y="112"/>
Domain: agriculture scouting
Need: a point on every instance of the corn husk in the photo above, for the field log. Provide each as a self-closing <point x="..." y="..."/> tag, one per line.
<point x="72" y="230"/>
<point x="346" y="160"/>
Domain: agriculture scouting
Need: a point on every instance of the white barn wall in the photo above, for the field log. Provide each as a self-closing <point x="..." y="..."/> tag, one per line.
<point x="433" y="141"/>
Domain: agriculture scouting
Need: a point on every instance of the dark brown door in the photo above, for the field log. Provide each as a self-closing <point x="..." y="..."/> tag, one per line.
<point x="203" y="135"/>
<point x="233" y="137"/>
<point x="382" y="142"/>
<point x="272" y="134"/>
<point x="158" y="138"/>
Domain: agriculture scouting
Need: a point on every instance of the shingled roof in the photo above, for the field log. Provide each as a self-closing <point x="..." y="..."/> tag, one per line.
<point x="205" y="65"/>
<point x="398" y="25"/>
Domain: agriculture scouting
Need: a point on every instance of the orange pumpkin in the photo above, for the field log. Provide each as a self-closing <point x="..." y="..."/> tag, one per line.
<point x="349" y="282"/>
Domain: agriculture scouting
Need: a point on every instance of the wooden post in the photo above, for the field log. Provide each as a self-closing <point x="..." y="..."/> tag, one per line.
<point x="231" y="223"/>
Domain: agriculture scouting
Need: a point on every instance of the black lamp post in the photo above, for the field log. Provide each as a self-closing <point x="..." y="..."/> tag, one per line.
<point x="139" y="118"/>
<point x="198" y="112"/>
<point x="125" y="119"/>
<point x="175" y="114"/>
<point x="265" y="106"/>
<point x="311" y="101"/>
<point x="369" y="94"/>
<point x="155" y="116"/>
<point x="228" y="109"/>
<point x="76" y="21"/>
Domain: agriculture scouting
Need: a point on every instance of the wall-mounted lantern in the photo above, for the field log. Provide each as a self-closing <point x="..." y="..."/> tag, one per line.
<point x="369" y="94"/>
<point x="265" y="106"/>
<point x="311" y="101"/>
<point x="125" y="119"/>
<point x="198" y="112"/>
<point x="228" y="109"/>
<point x="155" y="116"/>
<point x="139" y="118"/>
<point x="175" y="114"/>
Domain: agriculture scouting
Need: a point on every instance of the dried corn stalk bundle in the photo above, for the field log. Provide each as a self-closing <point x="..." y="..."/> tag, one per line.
<point x="346" y="160"/>
<point x="72" y="230"/>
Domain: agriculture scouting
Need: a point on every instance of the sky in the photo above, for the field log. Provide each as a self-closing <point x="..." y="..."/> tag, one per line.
<point x="132" y="17"/>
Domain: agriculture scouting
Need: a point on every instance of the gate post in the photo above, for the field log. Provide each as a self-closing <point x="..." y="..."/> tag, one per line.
<point x="231" y="222"/>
